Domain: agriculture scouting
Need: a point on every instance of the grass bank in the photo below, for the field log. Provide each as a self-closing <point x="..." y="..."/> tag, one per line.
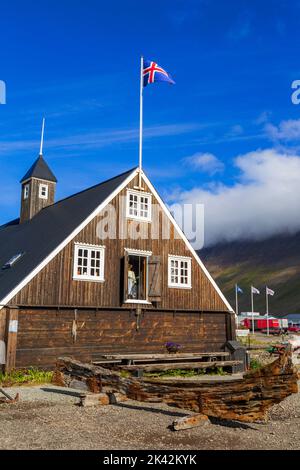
<point x="30" y="376"/>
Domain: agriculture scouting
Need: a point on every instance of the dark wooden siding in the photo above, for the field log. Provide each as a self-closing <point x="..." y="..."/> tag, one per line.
<point x="45" y="335"/>
<point x="33" y="204"/>
<point x="55" y="286"/>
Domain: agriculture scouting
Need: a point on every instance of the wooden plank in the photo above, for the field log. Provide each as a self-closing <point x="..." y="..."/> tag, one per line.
<point x="140" y="357"/>
<point x="11" y="339"/>
<point x="180" y="365"/>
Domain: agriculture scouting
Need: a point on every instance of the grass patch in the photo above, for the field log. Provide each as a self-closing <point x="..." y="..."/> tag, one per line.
<point x="187" y="372"/>
<point x="255" y="364"/>
<point x="29" y="376"/>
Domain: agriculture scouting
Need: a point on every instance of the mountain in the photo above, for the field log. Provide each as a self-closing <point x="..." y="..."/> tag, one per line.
<point x="274" y="262"/>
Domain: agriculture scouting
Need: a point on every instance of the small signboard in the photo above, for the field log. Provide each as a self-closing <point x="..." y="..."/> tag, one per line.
<point x="13" y="326"/>
<point x="2" y="352"/>
<point x="242" y="332"/>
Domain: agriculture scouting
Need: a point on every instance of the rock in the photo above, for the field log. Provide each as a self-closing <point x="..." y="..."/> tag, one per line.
<point x="116" y="397"/>
<point x="188" y="422"/>
<point x="94" y="399"/>
<point x="78" y="385"/>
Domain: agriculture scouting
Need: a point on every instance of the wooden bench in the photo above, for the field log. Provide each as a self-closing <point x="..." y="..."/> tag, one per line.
<point x="179" y="365"/>
<point x="169" y="356"/>
<point x="132" y="359"/>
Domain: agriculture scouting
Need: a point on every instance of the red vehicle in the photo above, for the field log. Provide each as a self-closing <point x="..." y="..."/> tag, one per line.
<point x="294" y="329"/>
<point x="261" y="324"/>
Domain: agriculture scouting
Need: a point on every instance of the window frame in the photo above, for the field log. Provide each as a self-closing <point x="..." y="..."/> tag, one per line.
<point x="139" y="195"/>
<point x="90" y="248"/>
<point x="41" y="187"/>
<point x="146" y="255"/>
<point x="26" y="191"/>
<point x="180" y="285"/>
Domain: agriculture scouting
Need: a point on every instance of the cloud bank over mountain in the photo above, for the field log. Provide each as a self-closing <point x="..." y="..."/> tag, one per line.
<point x="263" y="201"/>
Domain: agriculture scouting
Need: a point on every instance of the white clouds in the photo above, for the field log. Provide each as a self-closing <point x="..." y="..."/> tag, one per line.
<point x="101" y="138"/>
<point x="286" y="130"/>
<point x="264" y="201"/>
<point x="205" y="162"/>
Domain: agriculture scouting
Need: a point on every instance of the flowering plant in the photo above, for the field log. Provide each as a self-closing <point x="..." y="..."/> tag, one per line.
<point x="172" y="347"/>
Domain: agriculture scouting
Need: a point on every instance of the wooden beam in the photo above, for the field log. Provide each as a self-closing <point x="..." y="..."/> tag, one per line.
<point x="180" y="365"/>
<point x="11" y="338"/>
<point x="142" y="357"/>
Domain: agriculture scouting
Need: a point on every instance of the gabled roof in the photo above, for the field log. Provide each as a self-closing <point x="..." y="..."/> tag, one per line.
<point x="40" y="236"/>
<point x="39" y="170"/>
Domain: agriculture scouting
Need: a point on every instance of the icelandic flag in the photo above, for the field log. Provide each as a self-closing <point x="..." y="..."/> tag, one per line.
<point x="152" y="72"/>
<point x="270" y="291"/>
<point x="254" y="290"/>
<point x="238" y="289"/>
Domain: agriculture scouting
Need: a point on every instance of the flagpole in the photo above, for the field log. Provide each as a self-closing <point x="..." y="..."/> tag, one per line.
<point x="252" y="309"/>
<point x="236" y="305"/>
<point x="141" y="124"/>
<point x="267" y="311"/>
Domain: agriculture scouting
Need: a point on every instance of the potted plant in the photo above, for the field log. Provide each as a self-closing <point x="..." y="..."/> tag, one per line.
<point x="172" y="347"/>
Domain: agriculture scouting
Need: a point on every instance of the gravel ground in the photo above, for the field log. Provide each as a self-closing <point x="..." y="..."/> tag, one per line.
<point x="47" y="420"/>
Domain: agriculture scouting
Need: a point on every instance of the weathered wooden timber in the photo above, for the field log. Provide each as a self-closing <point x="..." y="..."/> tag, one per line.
<point x="246" y="400"/>
<point x="179" y="365"/>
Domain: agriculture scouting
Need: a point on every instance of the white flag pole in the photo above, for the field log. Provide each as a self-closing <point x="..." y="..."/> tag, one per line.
<point x="252" y="310"/>
<point x="267" y="311"/>
<point x="141" y="124"/>
<point x="236" y="305"/>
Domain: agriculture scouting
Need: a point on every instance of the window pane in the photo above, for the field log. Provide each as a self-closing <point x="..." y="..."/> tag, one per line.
<point x="89" y="262"/>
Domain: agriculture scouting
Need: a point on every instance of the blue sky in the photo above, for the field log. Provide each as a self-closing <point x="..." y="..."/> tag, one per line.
<point x="77" y="64"/>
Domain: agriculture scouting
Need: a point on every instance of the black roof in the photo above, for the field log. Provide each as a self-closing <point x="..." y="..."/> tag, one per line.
<point x="40" y="170"/>
<point x="38" y="237"/>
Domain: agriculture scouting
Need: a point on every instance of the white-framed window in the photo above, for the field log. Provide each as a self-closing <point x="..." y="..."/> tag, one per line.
<point x="138" y="205"/>
<point x="26" y="191"/>
<point x="89" y="262"/>
<point x="179" y="271"/>
<point x="43" y="191"/>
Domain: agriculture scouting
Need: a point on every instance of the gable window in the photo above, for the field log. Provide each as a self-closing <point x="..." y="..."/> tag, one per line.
<point x="179" y="272"/>
<point x="138" y="205"/>
<point x="43" y="191"/>
<point x="89" y="262"/>
<point x="26" y="191"/>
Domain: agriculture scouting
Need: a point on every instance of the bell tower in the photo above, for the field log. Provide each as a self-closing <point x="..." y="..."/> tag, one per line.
<point x="38" y="186"/>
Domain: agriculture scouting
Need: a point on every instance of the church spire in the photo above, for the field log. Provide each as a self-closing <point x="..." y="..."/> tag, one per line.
<point x="38" y="186"/>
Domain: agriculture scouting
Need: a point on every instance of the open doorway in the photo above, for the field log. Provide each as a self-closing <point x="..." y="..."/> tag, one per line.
<point x="136" y="277"/>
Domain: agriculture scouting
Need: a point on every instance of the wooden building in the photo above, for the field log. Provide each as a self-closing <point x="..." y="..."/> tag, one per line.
<point x="105" y="270"/>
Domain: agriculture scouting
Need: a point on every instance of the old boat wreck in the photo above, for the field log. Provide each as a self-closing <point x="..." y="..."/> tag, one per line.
<point x="245" y="399"/>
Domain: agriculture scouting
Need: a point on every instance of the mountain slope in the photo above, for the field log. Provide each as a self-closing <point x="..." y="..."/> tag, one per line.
<point x="274" y="262"/>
